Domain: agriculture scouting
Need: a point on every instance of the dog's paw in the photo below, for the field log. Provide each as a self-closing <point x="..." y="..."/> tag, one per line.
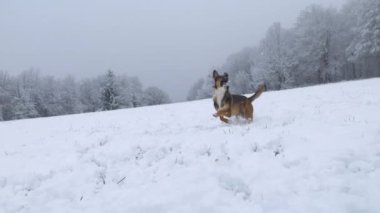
<point x="215" y="115"/>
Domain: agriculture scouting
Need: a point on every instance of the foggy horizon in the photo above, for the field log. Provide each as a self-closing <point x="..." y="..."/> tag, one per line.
<point x="167" y="44"/>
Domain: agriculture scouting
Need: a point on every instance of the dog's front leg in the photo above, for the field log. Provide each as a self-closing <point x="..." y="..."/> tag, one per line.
<point x="222" y="112"/>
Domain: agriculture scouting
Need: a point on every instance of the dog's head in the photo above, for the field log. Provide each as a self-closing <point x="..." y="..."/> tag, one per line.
<point x="219" y="80"/>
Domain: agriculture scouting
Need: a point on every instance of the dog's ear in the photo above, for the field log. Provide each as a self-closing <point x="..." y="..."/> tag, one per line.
<point x="226" y="76"/>
<point x="215" y="74"/>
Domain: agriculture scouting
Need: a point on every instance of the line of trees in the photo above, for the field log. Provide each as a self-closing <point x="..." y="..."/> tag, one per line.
<point x="30" y="95"/>
<point x="325" y="45"/>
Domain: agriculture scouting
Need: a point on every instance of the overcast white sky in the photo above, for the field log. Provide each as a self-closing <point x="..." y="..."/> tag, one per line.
<point x="166" y="43"/>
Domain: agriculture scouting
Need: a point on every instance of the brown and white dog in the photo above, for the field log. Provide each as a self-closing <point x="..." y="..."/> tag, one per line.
<point x="228" y="105"/>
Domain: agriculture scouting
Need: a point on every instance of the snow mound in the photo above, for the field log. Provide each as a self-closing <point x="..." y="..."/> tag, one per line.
<point x="314" y="149"/>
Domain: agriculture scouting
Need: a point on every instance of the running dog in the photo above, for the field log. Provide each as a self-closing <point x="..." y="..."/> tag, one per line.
<point x="228" y="105"/>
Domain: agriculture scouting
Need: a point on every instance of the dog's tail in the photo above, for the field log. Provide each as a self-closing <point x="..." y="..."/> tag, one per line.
<point x="258" y="92"/>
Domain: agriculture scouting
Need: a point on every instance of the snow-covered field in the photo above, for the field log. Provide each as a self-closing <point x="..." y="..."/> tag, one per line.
<point x="314" y="149"/>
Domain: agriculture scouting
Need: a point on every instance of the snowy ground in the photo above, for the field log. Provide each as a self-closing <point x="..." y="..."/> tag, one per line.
<point x="313" y="149"/>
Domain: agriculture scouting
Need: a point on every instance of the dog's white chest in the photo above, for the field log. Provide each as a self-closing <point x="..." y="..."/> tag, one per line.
<point x="219" y="94"/>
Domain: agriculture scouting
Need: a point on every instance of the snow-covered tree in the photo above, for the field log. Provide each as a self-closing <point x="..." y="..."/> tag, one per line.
<point x="207" y="87"/>
<point x="276" y="57"/>
<point x="109" y="92"/>
<point x="22" y="105"/>
<point x="315" y="33"/>
<point x="242" y="83"/>
<point x="89" y="95"/>
<point x="367" y="41"/>
<point x="193" y="92"/>
<point x="239" y="66"/>
<point x="69" y="96"/>
<point x="364" y="49"/>
<point x="131" y="91"/>
<point x="125" y="96"/>
<point x="154" y="96"/>
<point x="5" y="96"/>
<point x="27" y="89"/>
<point x="136" y="91"/>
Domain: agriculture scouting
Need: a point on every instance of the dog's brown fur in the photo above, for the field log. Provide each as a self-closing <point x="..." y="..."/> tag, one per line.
<point x="228" y="105"/>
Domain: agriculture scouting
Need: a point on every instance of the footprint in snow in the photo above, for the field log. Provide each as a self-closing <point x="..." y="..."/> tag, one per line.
<point x="236" y="186"/>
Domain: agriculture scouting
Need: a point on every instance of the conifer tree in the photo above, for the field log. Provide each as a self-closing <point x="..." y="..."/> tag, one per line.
<point x="109" y="92"/>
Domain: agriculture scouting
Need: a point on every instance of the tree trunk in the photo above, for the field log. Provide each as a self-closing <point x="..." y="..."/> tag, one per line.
<point x="378" y="63"/>
<point x="354" y="75"/>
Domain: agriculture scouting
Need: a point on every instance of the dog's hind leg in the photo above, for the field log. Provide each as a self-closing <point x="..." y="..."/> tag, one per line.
<point x="248" y="112"/>
<point x="225" y="120"/>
